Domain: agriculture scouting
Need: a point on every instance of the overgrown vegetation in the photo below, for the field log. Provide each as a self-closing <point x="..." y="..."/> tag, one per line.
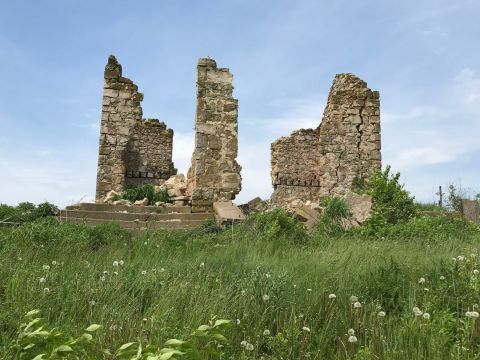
<point x="25" y="212"/>
<point x="145" y="191"/>
<point x="392" y="203"/>
<point x="288" y="294"/>
<point x="404" y="286"/>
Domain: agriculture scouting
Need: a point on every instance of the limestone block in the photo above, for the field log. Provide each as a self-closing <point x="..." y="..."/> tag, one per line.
<point x="227" y="212"/>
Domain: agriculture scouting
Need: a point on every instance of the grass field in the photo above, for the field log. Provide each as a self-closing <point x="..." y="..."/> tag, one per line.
<point x="272" y="280"/>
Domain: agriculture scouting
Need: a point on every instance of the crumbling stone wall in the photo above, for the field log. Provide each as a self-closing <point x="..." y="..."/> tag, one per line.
<point x="130" y="147"/>
<point x="313" y="163"/>
<point x="214" y="174"/>
<point x="148" y="156"/>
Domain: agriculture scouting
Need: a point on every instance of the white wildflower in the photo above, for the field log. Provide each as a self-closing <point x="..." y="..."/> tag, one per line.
<point x="309" y="290"/>
<point x="426" y="289"/>
<point x="144" y="272"/>
<point x="103" y="278"/>
<point x="92" y="302"/>
<point x="202" y="264"/>
<point x="268" y="276"/>
<point x="476" y="271"/>
<point x="238" y="321"/>
<point x="46" y="290"/>
<point x="20" y="259"/>
<point x="162" y="270"/>
<point x="306" y="329"/>
<point x="417" y="311"/>
<point x="472" y="314"/>
<point x="421" y="280"/>
<point x="353" y="299"/>
<point x="352" y="339"/>
<point x="266" y="332"/>
<point x="332" y="296"/>
<point x="382" y="313"/>
<point x="105" y="272"/>
<point x="460" y="257"/>
<point x="265" y="297"/>
<point x="121" y="262"/>
<point x="243" y="343"/>
<point x="249" y="347"/>
<point x="46" y="267"/>
<point x="357" y="305"/>
<point x="54" y="263"/>
<point x="351" y="332"/>
<point x="442" y="277"/>
<point x="115" y="273"/>
<point x="115" y="263"/>
<point x="426" y="316"/>
<point x="42" y="280"/>
<point x="242" y="292"/>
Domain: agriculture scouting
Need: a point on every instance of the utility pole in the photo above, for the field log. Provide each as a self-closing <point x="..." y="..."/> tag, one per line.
<point x="440" y="194"/>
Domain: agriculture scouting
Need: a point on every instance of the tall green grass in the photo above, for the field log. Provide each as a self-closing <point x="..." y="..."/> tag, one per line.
<point x="267" y="275"/>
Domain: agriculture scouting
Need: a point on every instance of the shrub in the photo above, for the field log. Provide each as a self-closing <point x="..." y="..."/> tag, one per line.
<point x="392" y="204"/>
<point x="331" y="219"/>
<point x="277" y="224"/>
<point x="26" y="212"/>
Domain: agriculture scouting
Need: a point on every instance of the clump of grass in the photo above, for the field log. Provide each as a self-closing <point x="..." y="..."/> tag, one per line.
<point x="145" y="191"/>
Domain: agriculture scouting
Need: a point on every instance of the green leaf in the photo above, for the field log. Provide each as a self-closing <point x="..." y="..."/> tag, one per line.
<point x="125" y="346"/>
<point x="174" y="342"/>
<point x="169" y="353"/>
<point x="39" y="357"/>
<point x="32" y="313"/>
<point x="31" y="323"/>
<point x="203" y="328"/>
<point x="220" y="338"/>
<point x="63" y="348"/>
<point x="93" y="327"/>
<point x="222" y="322"/>
<point x="29" y="346"/>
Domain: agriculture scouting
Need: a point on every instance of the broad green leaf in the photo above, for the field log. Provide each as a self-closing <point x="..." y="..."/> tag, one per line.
<point x="220" y="338"/>
<point x="174" y="342"/>
<point x="29" y="346"/>
<point x="32" y="313"/>
<point x="31" y="323"/>
<point x="39" y="357"/>
<point x="125" y="346"/>
<point x="93" y="327"/>
<point x="63" y="348"/>
<point x="221" y="322"/>
<point x="168" y="355"/>
<point x="203" y="328"/>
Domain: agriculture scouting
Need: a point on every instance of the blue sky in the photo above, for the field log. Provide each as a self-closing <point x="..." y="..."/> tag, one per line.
<point x="422" y="56"/>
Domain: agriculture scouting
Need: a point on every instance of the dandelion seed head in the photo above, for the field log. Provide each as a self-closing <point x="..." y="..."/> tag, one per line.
<point x="265" y="297"/>
<point x="351" y="332"/>
<point x="332" y="296"/>
<point x="306" y="329"/>
<point x="382" y="313"/>
<point x="352" y="339"/>
<point x="115" y="263"/>
<point x="426" y="316"/>
<point x="266" y="332"/>
<point x="357" y="305"/>
<point x="42" y="280"/>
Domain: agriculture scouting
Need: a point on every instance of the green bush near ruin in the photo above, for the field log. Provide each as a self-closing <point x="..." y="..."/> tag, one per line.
<point x="141" y="192"/>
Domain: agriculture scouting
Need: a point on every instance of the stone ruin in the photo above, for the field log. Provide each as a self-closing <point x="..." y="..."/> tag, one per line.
<point x="306" y="166"/>
<point x="134" y="151"/>
<point x="345" y="148"/>
<point x="214" y="174"/>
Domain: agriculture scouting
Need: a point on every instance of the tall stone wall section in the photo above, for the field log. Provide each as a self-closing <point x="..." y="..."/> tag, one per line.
<point x="313" y="163"/>
<point x="128" y="144"/>
<point x="148" y="156"/>
<point x="214" y="174"/>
